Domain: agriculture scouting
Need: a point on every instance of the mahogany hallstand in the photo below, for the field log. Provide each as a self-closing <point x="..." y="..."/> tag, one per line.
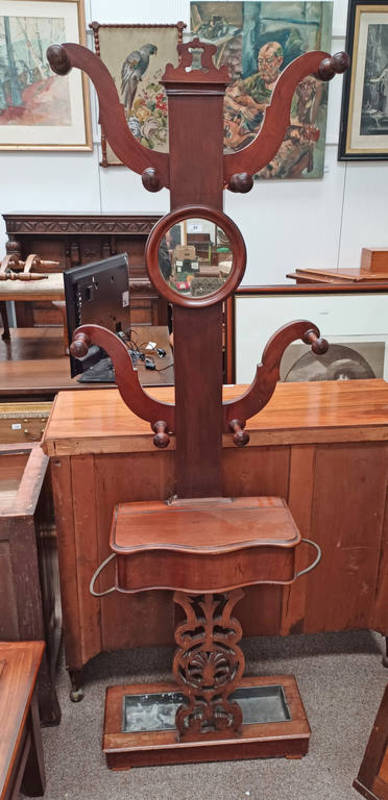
<point x="202" y="546"/>
<point x="205" y="550"/>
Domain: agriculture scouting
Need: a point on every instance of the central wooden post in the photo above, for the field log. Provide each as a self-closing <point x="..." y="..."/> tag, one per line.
<point x="195" y="108"/>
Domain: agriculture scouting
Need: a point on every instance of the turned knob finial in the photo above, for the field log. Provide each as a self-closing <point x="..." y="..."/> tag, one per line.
<point x="151" y="180"/>
<point x="58" y="59"/>
<point x="240" y="437"/>
<point x="13" y="248"/>
<point x="80" y="345"/>
<point x="318" y="345"/>
<point x="161" y="438"/>
<point x="333" y="65"/>
<point x="241" y="182"/>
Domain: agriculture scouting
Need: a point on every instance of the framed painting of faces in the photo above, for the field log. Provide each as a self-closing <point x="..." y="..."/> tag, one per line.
<point x="257" y="41"/>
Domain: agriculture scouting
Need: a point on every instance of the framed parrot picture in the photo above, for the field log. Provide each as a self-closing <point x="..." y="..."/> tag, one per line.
<point x="136" y="56"/>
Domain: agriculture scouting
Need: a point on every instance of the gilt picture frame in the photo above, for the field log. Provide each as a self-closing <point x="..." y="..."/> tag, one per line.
<point x="38" y="109"/>
<point x="364" y="111"/>
<point x="136" y="57"/>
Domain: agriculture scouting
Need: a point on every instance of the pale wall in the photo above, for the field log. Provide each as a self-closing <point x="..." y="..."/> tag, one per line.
<point x="285" y="223"/>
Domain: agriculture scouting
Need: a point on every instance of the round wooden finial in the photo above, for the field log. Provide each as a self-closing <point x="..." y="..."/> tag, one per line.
<point x="240" y="437"/>
<point x="151" y="180"/>
<point x="58" y="59"/>
<point x="13" y="248"/>
<point x="333" y="65"/>
<point x="161" y="438"/>
<point x="318" y="345"/>
<point x="241" y="182"/>
<point x="342" y="62"/>
<point x="80" y="345"/>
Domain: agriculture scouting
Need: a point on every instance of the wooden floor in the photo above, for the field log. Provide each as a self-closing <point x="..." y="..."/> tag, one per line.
<point x="34" y="364"/>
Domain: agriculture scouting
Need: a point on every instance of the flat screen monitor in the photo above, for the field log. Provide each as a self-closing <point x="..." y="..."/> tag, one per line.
<point x="97" y="293"/>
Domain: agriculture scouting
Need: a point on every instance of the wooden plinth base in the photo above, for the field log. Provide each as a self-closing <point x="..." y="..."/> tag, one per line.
<point x="288" y="738"/>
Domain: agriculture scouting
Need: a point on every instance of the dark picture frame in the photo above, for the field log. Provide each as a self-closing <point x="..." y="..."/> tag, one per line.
<point x="364" y="111"/>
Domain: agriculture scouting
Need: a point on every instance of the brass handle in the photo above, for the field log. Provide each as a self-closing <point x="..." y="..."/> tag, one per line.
<point x="314" y="563"/>
<point x="95" y="576"/>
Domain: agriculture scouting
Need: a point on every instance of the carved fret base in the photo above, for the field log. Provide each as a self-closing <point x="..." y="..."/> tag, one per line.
<point x="195" y="718"/>
<point x="132" y="743"/>
<point x="208" y="666"/>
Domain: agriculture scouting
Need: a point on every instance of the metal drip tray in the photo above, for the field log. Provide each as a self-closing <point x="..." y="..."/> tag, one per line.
<point x="156" y="711"/>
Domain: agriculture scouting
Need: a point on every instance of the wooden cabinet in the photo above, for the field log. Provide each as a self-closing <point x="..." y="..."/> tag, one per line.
<point x="28" y="574"/>
<point x="321" y="446"/>
<point x="74" y="239"/>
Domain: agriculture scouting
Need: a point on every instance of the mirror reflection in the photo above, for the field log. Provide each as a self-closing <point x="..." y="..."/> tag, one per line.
<point x="195" y="257"/>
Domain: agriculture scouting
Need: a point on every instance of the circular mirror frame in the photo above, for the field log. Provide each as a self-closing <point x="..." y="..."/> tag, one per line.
<point x="237" y="246"/>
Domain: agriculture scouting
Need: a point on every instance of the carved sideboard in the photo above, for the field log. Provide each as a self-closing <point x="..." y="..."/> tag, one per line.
<point x="74" y="239"/>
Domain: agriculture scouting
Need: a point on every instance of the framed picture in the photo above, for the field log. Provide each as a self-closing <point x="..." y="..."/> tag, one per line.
<point x="364" y="113"/>
<point x="257" y="40"/>
<point x="38" y="109"/>
<point x="353" y="322"/>
<point x="136" y="56"/>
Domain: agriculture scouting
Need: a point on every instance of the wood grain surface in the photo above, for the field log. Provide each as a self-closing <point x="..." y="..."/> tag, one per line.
<point x="33" y="362"/>
<point x="173" y="545"/>
<point x="21" y="661"/>
<point x="372" y="778"/>
<point x="256" y="741"/>
<point x="298" y="413"/>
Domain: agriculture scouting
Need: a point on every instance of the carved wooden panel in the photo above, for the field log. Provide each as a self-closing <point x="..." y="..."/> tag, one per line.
<point x="74" y="239"/>
<point x="208" y="665"/>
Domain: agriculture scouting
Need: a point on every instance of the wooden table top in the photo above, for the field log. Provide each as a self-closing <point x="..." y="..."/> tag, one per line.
<point x="211" y="525"/>
<point x="95" y="421"/>
<point x="345" y="275"/>
<point x="34" y="364"/>
<point x="50" y="288"/>
<point x="19" y="665"/>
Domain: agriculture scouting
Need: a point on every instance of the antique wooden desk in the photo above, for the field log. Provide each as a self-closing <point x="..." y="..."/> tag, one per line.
<point x="21" y="756"/>
<point x="33" y="364"/>
<point x="341" y="277"/>
<point x="321" y="446"/>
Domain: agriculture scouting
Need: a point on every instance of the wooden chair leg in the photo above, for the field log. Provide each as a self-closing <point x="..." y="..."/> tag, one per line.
<point x="4" y="316"/>
<point x="385" y="657"/>
<point x="34" y="778"/>
<point x="61" y="306"/>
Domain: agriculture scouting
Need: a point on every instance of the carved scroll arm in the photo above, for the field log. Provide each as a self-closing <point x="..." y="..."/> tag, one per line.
<point x="236" y="412"/>
<point x="112" y="116"/>
<point x="160" y="415"/>
<point x="240" y="166"/>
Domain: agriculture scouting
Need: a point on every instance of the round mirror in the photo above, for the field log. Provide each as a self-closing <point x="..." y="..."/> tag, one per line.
<point x="195" y="257"/>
